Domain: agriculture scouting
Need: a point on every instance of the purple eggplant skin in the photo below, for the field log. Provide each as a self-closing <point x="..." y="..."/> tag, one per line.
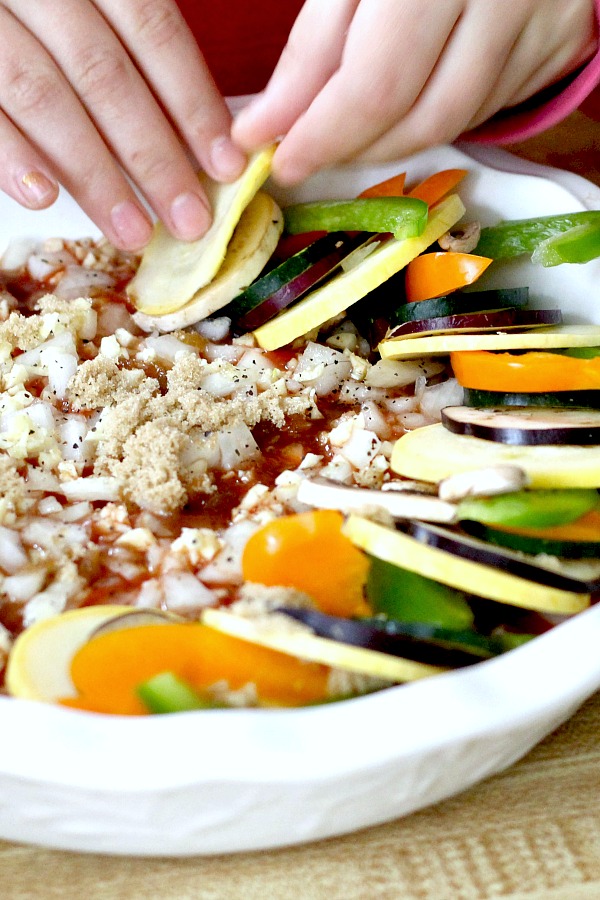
<point x="493" y="320"/>
<point x="519" y="436"/>
<point x="291" y="291"/>
<point x="517" y="564"/>
<point x="291" y="279"/>
<point x="373" y="637"/>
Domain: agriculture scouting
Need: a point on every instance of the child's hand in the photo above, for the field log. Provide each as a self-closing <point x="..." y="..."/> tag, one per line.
<point x="75" y="105"/>
<point x="380" y="79"/>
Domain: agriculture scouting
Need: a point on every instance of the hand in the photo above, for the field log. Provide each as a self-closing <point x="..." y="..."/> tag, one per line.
<point x="381" y="79"/>
<point x="83" y="86"/>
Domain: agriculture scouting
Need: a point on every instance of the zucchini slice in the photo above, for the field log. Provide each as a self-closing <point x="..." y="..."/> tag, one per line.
<point x="525" y="426"/>
<point x="433" y="453"/>
<point x="345" y="289"/>
<point x="559" y="399"/>
<point x="534" y="543"/>
<point x="461" y="302"/>
<point x="290" y="280"/>
<point x="468" y="574"/>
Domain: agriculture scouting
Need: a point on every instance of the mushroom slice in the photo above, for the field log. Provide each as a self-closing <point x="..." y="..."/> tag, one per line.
<point x="171" y="271"/>
<point x="399" y="504"/>
<point x="253" y="243"/>
<point x="485" y="482"/>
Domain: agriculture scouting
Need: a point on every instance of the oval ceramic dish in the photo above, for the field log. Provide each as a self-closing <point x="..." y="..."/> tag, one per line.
<point x="235" y="780"/>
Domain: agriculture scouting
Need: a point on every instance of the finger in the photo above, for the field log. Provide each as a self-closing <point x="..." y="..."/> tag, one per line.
<point x="312" y="54"/>
<point x="377" y="83"/>
<point x="35" y="97"/>
<point x="460" y="83"/>
<point x="113" y="92"/>
<point x="166" y="53"/>
<point x="24" y="173"/>
<point x="555" y="39"/>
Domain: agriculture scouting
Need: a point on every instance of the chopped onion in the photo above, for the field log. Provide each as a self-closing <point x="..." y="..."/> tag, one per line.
<point x="167" y="347"/>
<point x="12" y="554"/>
<point x="393" y="373"/>
<point x="229" y="352"/>
<point x="41" y="265"/>
<point x="214" y="329"/>
<point x="60" y="343"/>
<point x="93" y="487"/>
<point x="323" y="368"/>
<point x="41" y="414"/>
<point x="61" y="368"/>
<point x="437" y="396"/>
<point x="186" y="593"/>
<point x="237" y="446"/>
<point x="77" y="281"/>
<point x="72" y="433"/>
<point x="23" y="586"/>
<point x="17" y="253"/>
<point x="226" y="567"/>
<point x="361" y="448"/>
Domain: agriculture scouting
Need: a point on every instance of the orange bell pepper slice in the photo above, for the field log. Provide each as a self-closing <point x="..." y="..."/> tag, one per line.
<point x="434" y="188"/>
<point x="107" y="670"/>
<point x="309" y="552"/>
<point x="587" y="528"/>
<point x="437" y="274"/>
<point x="391" y="187"/>
<point x="535" y="372"/>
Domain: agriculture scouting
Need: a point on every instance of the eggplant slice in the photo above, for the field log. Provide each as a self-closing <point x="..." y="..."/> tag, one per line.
<point x="412" y="640"/>
<point x="518" y="564"/>
<point x="519" y="426"/>
<point x="474" y="322"/>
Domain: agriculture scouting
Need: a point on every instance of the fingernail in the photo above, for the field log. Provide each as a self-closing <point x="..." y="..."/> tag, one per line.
<point x="38" y="188"/>
<point x="131" y="224"/>
<point x="227" y="160"/>
<point x="190" y="217"/>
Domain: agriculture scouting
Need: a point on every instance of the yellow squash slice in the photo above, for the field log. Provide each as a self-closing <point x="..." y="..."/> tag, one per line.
<point x="172" y="272"/>
<point x="464" y="574"/>
<point x="345" y="289"/>
<point x="548" y="338"/>
<point x="433" y="453"/>
<point x="40" y="660"/>
<point x="252" y="245"/>
<point x="321" y="650"/>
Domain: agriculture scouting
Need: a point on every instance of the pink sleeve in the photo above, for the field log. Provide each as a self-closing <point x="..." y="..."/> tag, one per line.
<point x="534" y="117"/>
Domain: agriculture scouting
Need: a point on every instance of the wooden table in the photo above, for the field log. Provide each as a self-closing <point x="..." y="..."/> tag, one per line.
<point x="531" y="832"/>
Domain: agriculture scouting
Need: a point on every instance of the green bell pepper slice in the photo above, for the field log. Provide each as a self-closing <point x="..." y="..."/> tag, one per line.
<point x="409" y="597"/>
<point x="579" y="244"/>
<point x="529" y="509"/>
<point x="404" y="217"/>
<point x="509" y="239"/>
<point x="167" y="693"/>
